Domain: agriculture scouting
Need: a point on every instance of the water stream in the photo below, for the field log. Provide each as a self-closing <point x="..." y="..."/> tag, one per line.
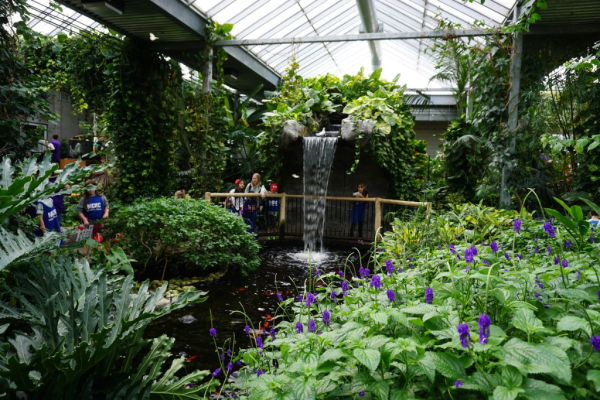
<point x="318" y="158"/>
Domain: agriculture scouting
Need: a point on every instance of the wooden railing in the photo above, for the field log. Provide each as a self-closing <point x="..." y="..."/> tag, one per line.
<point x="337" y="213"/>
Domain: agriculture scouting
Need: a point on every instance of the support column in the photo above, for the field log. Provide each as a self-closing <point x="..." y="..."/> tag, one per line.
<point x="282" y="217"/>
<point x="513" y="112"/>
<point x="207" y="72"/>
<point x="207" y="196"/>
<point x="377" y="217"/>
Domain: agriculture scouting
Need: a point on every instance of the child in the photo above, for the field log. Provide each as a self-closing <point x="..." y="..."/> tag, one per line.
<point x="48" y="217"/>
<point x="180" y="194"/>
<point x="254" y="203"/>
<point x="594" y="219"/>
<point x="93" y="207"/>
<point x="273" y="205"/>
<point x="236" y="204"/>
<point x="358" y="210"/>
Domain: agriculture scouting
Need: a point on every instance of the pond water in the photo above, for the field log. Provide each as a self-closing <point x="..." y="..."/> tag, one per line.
<point x="283" y="268"/>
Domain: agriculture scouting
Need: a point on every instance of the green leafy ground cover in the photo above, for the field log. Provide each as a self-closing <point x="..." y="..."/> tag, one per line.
<point x="513" y="316"/>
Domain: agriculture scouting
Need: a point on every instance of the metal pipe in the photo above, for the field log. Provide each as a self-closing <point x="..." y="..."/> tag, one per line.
<point x="368" y="17"/>
<point x="357" y="38"/>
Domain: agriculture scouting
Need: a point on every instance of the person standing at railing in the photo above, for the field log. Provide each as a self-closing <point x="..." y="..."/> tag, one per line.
<point x="236" y="204"/>
<point x="253" y="204"/>
<point x="273" y="206"/>
<point x="358" y="210"/>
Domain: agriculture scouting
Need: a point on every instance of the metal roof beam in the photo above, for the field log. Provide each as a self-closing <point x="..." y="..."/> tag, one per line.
<point x="368" y="17"/>
<point x="361" y="37"/>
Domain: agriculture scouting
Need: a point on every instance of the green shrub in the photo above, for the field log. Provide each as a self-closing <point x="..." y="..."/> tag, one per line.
<point x="205" y="236"/>
<point x="520" y="320"/>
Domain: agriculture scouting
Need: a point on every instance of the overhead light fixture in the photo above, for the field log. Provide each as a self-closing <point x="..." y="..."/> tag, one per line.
<point x="117" y="6"/>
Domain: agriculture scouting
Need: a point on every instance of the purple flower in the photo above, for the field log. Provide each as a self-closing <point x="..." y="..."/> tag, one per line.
<point x="311" y="325"/>
<point x="361" y="394"/>
<point x="379" y="249"/>
<point x="484" y="328"/>
<point x="458" y="256"/>
<point x="299" y="327"/>
<point x="259" y="342"/>
<point x="598" y="296"/>
<point x="272" y="333"/>
<point x="519" y="257"/>
<point x="341" y="274"/>
<point x="326" y="317"/>
<point x="299" y="298"/>
<point x="333" y="296"/>
<point x="567" y="244"/>
<point x="537" y="249"/>
<point x="565" y="263"/>
<point x="361" y="272"/>
<point x="428" y="295"/>
<point x="517" y="227"/>
<point x="389" y="267"/>
<point x="549" y="250"/>
<point x="549" y="229"/>
<point x="391" y="296"/>
<point x="279" y="297"/>
<point x="344" y="287"/>
<point x="409" y="258"/>
<point x="474" y="250"/>
<point x="494" y="247"/>
<point x="409" y="266"/>
<point x="458" y="384"/>
<point x="317" y="272"/>
<point x="259" y="372"/>
<point x="376" y="282"/>
<point x="217" y="372"/>
<point x="465" y="336"/>
<point x="229" y="367"/>
<point x="486" y="262"/>
<point x="556" y="260"/>
<point x="367" y="272"/>
<point x="452" y="249"/>
<point x="469" y="256"/>
<point x="247" y="329"/>
<point x="595" y="341"/>
<point x="592" y="239"/>
<point x="578" y="274"/>
<point x="212" y="332"/>
<point x="310" y="298"/>
<point x="506" y="256"/>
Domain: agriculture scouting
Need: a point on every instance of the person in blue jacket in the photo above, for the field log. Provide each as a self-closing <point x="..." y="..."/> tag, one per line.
<point x="358" y="210"/>
<point x="92" y="208"/>
<point x="48" y="217"/>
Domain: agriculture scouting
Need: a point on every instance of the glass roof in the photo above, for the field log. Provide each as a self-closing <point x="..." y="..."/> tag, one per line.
<point x="255" y="19"/>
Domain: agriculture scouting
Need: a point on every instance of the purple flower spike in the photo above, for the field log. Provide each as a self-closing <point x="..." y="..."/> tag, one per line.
<point x="344" y="287"/>
<point x="567" y="244"/>
<point x="279" y="297"/>
<point x="452" y="249"/>
<point x="549" y="229"/>
<point x="389" y="267"/>
<point x="333" y="296"/>
<point x="506" y="256"/>
<point x="361" y="272"/>
<point x="486" y="262"/>
<point x="519" y="257"/>
<point x="458" y="384"/>
<point x="474" y="250"/>
<point x="391" y="296"/>
<point x="312" y="326"/>
<point x="578" y="274"/>
<point x="595" y="341"/>
<point x="326" y="317"/>
<point x="494" y="247"/>
<point x="465" y="336"/>
<point x="299" y="327"/>
<point x="259" y="342"/>
<point x="549" y="250"/>
<point x="428" y="295"/>
<point x="217" y="372"/>
<point x="272" y="333"/>
<point x="592" y="239"/>
<point x="361" y="394"/>
<point x="517" y="227"/>
<point x="259" y="372"/>
<point x="247" y="329"/>
<point x="341" y="274"/>
<point x="310" y="298"/>
<point x="484" y="328"/>
<point x="469" y="256"/>
<point x="212" y="332"/>
<point x="229" y="367"/>
<point x="556" y="260"/>
<point x="376" y="282"/>
<point x="565" y="263"/>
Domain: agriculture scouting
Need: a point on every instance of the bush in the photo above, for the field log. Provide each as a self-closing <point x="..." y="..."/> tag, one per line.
<point x="204" y="236"/>
<point x="516" y="319"/>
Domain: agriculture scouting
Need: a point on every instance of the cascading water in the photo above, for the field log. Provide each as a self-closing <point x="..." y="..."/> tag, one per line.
<point x="318" y="158"/>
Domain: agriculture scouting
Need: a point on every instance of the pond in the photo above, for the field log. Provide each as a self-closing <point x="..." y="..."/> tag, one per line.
<point x="284" y="268"/>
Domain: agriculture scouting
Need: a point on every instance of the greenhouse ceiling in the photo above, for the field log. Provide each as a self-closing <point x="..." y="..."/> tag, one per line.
<point x="177" y="26"/>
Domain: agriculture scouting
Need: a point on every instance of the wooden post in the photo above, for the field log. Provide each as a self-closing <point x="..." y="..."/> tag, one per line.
<point x="282" y="218"/>
<point x="207" y="196"/>
<point x="377" y="217"/>
<point x="428" y="208"/>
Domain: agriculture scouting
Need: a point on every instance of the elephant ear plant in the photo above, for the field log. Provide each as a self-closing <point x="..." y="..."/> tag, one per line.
<point x="72" y="332"/>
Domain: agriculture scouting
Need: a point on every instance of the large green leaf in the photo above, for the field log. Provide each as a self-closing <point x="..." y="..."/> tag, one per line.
<point x="448" y="365"/>
<point x="572" y="323"/>
<point x="538" y="358"/>
<point x="504" y="393"/>
<point x="368" y="357"/>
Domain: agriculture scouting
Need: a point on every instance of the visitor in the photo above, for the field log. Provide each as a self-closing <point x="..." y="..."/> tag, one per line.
<point x="56" y="152"/>
<point x="358" y="210"/>
<point x="58" y="199"/>
<point x="48" y="218"/>
<point x="253" y="204"/>
<point x="180" y="194"/>
<point x="92" y="208"/>
<point x="594" y="218"/>
<point x="236" y="204"/>
<point x="273" y="206"/>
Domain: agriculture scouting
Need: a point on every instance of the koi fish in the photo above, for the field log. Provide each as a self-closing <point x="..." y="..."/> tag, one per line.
<point x="192" y="358"/>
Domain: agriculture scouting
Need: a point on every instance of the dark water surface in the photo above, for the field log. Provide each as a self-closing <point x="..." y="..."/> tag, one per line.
<point x="283" y="267"/>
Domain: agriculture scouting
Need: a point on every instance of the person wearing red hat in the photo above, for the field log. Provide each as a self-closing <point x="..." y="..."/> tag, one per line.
<point x="273" y="206"/>
<point x="236" y="204"/>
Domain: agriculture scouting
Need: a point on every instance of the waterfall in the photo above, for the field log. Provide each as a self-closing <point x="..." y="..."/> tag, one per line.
<point x="318" y="157"/>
